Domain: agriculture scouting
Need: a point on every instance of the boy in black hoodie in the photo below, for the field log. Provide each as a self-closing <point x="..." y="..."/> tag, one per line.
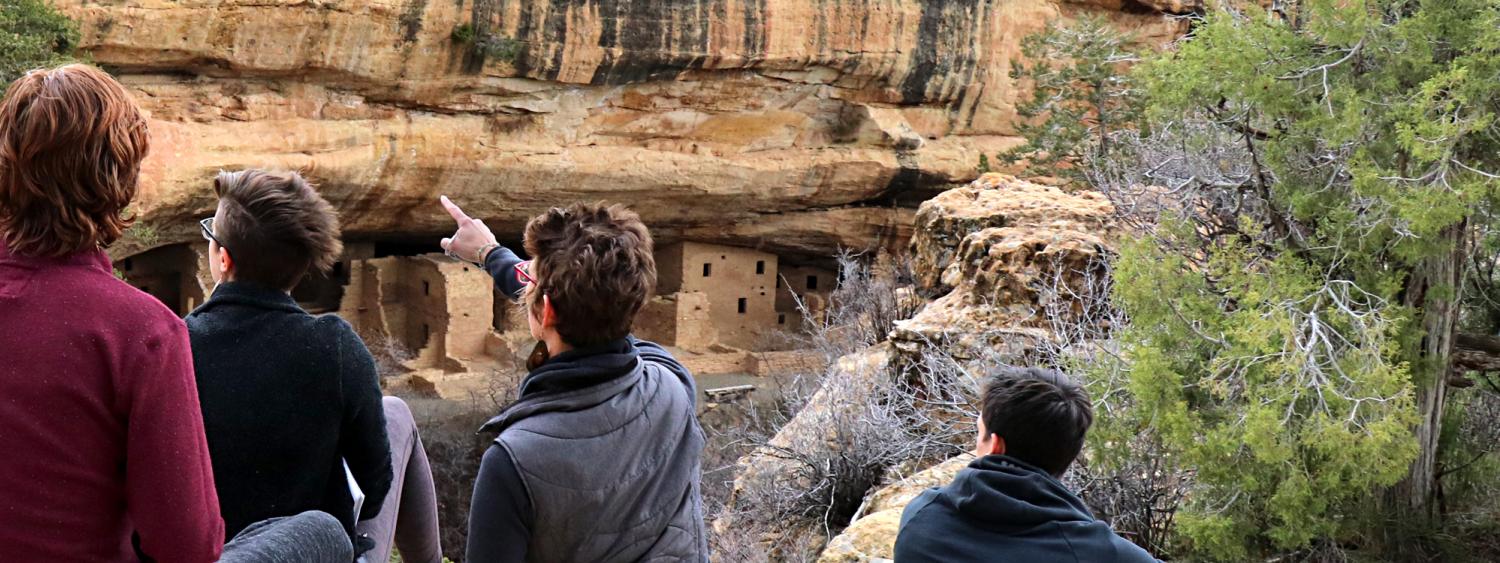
<point x="1008" y="505"/>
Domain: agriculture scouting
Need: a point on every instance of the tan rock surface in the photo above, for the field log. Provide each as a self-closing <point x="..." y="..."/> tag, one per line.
<point x="872" y="537"/>
<point x="1009" y="258"/>
<point x="1021" y="211"/>
<point x="711" y="116"/>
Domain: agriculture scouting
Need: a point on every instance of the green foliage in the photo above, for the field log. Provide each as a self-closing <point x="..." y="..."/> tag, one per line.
<point x="463" y="33"/>
<point x="1080" y="95"/>
<point x="500" y="48"/>
<point x="490" y="45"/>
<point x="1291" y="404"/>
<point x="32" y="35"/>
<point x="984" y="164"/>
<point x="1319" y="166"/>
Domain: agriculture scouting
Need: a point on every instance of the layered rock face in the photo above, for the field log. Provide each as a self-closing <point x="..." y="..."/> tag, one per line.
<point x="792" y="125"/>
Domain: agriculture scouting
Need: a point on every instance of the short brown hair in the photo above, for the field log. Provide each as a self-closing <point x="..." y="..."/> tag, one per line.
<point x="1042" y="415"/>
<point x="71" y="145"/>
<point x="594" y="263"/>
<point x="275" y="226"/>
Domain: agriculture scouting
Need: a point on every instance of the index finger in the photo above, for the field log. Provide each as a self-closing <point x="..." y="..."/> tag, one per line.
<point x="458" y="214"/>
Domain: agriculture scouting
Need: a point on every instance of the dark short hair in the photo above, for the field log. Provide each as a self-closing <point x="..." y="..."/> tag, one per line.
<point x="71" y="145"/>
<point x="1042" y="416"/>
<point x="275" y="226"/>
<point x="594" y="263"/>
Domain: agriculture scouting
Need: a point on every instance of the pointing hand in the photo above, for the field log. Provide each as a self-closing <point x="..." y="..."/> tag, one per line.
<point x="472" y="240"/>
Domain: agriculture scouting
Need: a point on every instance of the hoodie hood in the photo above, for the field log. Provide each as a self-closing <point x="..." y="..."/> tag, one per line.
<point x="574" y="380"/>
<point x="1001" y="505"/>
<point x="1012" y="495"/>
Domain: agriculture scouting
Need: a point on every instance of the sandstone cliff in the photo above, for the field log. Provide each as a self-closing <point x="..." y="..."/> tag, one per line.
<point x="726" y="120"/>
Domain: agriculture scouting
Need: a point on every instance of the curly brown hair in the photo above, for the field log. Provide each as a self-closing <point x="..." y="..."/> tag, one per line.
<point x="275" y="226"/>
<point x="71" y="145"/>
<point x="594" y="263"/>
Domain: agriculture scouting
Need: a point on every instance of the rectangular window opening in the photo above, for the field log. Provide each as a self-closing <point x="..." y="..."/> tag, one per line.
<point x="781" y="319"/>
<point x="708" y="269"/>
<point x="743" y="302"/>
<point x="760" y="267"/>
<point x="426" y="288"/>
<point x="812" y="282"/>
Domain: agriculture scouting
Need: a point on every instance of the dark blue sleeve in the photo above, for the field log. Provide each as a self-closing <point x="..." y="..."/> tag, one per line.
<point x="500" y="516"/>
<point x="914" y="545"/>
<point x="501" y="264"/>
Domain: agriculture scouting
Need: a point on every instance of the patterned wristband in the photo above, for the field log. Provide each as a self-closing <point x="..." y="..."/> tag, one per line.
<point x="484" y="253"/>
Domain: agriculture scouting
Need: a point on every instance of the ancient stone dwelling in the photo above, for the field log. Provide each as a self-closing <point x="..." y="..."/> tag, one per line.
<point x="735" y="297"/>
<point x="441" y="319"/>
<point x="439" y="309"/>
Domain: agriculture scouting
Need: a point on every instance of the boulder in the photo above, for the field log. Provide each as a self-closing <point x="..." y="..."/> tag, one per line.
<point x="1010" y="259"/>
<point x="871" y="537"/>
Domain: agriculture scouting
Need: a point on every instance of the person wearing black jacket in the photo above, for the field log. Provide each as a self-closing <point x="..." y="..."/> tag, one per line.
<point x="1009" y="505"/>
<point x="598" y="460"/>
<point x="288" y="398"/>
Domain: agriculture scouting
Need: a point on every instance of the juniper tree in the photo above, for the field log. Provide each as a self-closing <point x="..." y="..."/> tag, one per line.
<point x="1079" y="95"/>
<point x="32" y="35"/>
<point x="1316" y="175"/>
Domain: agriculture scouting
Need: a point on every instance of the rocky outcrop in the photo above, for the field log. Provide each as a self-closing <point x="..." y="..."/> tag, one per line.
<point x="963" y="231"/>
<point x="1004" y="255"/>
<point x="722" y="119"/>
<point x="871" y="537"/>
<point x="1010" y="259"/>
<point x="815" y="428"/>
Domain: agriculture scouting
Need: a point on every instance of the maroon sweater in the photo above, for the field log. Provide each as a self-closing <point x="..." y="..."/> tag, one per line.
<point x="100" y="429"/>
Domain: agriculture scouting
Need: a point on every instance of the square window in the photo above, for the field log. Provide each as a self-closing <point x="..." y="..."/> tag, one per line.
<point x="743" y="303"/>
<point x="708" y="269"/>
<point x="760" y="267"/>
<point x="812" y="282"/>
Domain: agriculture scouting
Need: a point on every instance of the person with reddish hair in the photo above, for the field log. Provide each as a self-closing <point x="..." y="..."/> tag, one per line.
<point x="105" y="452"/>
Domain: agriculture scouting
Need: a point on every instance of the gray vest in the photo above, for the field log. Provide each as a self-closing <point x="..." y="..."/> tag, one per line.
<point x="613" y="470"/>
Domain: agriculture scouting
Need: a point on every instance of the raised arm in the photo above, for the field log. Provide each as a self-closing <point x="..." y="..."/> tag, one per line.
<point x="474" y="243"/>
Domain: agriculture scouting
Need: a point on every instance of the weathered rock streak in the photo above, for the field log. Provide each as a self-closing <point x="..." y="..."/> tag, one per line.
<point x="726" y="120"/>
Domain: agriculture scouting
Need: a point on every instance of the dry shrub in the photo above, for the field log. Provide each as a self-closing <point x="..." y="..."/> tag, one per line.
<point x="851" y="428"/>
<point x="1125" y="476"/>
<point x="390" y="354"/>
<point x="454" y="449"/>
<point x="872" y="294"/>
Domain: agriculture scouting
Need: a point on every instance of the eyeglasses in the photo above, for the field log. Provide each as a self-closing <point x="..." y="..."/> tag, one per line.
<point x="523" y="275"/>
<point x="207" y="224"/>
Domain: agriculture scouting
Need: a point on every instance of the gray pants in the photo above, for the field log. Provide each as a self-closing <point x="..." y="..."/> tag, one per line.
<point x="408" y="517"/>
<point x="310" y="537"/>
